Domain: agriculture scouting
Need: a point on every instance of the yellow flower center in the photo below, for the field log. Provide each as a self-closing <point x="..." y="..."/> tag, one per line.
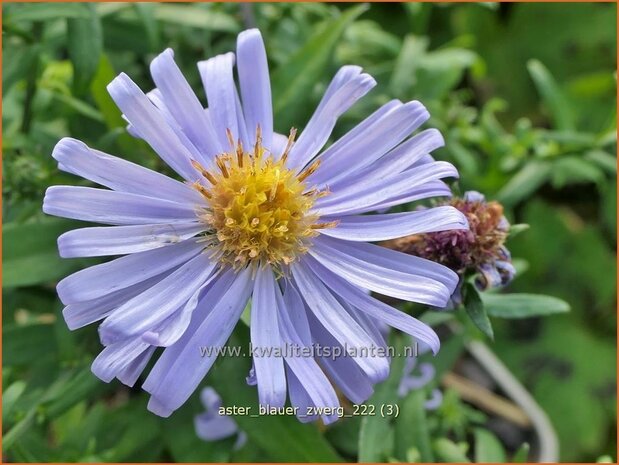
<point x="257" y="208"/>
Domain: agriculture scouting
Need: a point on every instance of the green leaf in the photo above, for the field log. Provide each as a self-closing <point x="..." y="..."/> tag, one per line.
<point x="411" y="428"/>
<point x="476" y="310"/>
<point x="344" y="435"/>
<point x="523" y="305"/>
<point x="554" y="99"/>
<point x="575" y="170"/>
<point x="567" y="353"/>
<point x="146" y="13"/>
<point x="441" y="70"/>
<point x="66" y="391"/>
<point x="436" y="318"/>
<point x="28" y="344"/>
<point x="195" y="15"/>
<point x="608" y="206"/>
<point x="488" y="448"/>
<point x="293" y="81"/>
<point x="603" y="159"/>
<point x="403" y="76"/>
<point x="533" y="175"/>
<point x="466" y="160"/>
<point x="82" y="108"/>
<point x="16" y="70"/>
<point x="451" y="351"/>
<point x="448" y="451"/>
<point x="31" y="255"/>
<point x="282" y="437"/>
<point x="10" y="396"/>
<point x="516" y="229"/>
<point x="85" y="44"/>
<point x="373" y="446"/>
<point x="48" y="11"/>
<point x="605" y="459"/>
<point x="522" y="454"/>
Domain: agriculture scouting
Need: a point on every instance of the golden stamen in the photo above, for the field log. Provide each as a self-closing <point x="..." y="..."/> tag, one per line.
<point x="239" y="154"/>
<point x="204" y="172"/>
<point x="327" y="225"/>
<point x="291" y="136"/>
<point x="222" y="166"/>
<point x="309" y="170"/>
<point x="203" y="190"/>
<point x="230" y="138"/>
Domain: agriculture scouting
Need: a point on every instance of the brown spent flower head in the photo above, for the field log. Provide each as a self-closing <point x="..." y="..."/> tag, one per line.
<point x="480" y="249"/>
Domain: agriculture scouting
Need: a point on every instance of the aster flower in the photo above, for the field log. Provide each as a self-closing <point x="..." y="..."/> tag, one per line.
<point x="212" y="425"/>
<point x="479" y="250"/>
<point x="417" y="376"/>
<point x="257" y="215"/>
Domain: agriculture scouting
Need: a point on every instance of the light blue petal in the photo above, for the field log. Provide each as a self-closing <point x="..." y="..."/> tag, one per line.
<point x="145" y="311"/>
<point x="218" y="81"/>
<point x="156" y="97"/>
<point x="435" y="400"/>
<point x="425" y="191"/>
<point x="299" y="398"/>
<point x="116" y="358"/>
<point x="255" y="85"/>
<point x="344" y="372"/>
<point x="151" y="125"/>
<point x="189" y="366"/>
<point x="489" y="276"/>
<point x="174" y="326"/>
<point x="159" y="408"/>
<point x="368" y="323"/>
<point x="412" y="382"/>
<point x="80" y="314"/>
<point x="321" y="176"/>
<point x="386" y="133"/>
<point x="410" y="153"/>
<point x="348" y="201"/>
<point x="215" y="427"/>
<point x="121" y="273"/>
<point x="210" y="399"/>
<point x="365" y="228"/>
<point x="317" y="131"/>
<point x="337" y="321"/>
<point x="349" y="261"/>
<point x="474" y="196"/>
<point x="265" y="336"/>
<point x="375" y="308"/>
<point x="118" y="174"/>
<point x="183" y="104"/>
<point x="212" y="295"/>
<point x="130" y="374"/>
<point x="295" y="308"/>
<point x="210" y="425"/>
<point x="121" y="240"/>
<point x="305" y="369"/>
<point x="112" y="207"/>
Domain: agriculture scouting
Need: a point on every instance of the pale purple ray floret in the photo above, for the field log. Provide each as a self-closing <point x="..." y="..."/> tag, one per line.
<point x="255" y="215"/>
<point x="212" y="425"/>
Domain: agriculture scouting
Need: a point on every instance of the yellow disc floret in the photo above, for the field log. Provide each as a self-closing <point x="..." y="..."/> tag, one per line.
<point x="257" y="207"/>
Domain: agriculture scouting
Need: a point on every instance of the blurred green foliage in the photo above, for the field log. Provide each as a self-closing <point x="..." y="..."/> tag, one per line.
<point x="525" y="95"/>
